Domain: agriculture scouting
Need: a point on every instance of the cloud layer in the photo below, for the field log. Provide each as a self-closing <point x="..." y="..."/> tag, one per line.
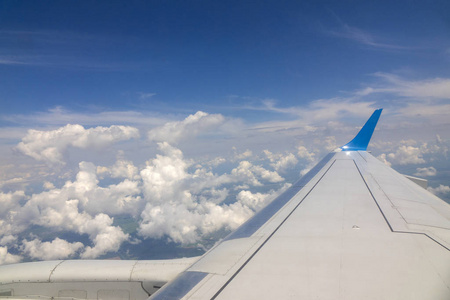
<point x="168" y="195"/>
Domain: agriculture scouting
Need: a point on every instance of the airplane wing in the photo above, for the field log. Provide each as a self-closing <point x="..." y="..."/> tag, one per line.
<point x="351" y="228"/>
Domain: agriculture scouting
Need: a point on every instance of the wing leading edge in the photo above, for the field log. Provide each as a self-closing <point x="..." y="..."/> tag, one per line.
<point x="352" y="228"/>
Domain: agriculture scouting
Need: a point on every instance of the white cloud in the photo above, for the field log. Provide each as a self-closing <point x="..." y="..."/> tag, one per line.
<point x="440" y="190"/>
<point x="186" y="224"/>
<point x="246" y="172"/>
<point x="406" y="155"/>
<point x="9" y="202"/>
<point x="59" y="116"/>
<point x="183" y="205"/>
<point x="423" y="172"/>
<point x="281" y="162"/>
<point x="164" y="174"/>
<point x="121" y="169"/>
<point x="412" y="151"/>
<point x="323" y="110"/>
<point x="173" y="199"/>
<point x="437" y="88"/>
<point x="217" y="161"/>
<point x="363" y="37"/>
<point x="48" y="146"/>
<point x="255" y="201"/>
<point x="143" y="96"/>
<point x="437" y="147"/>
<point x="8" y="258"/>
<point x="48" y="185"/>
<point x="56" y="249"/>
<point x="173" y="132"/>
<point x="246" y="154"/>
<point x="80" y="207"/>
<point x="270" y="176"/>
<point x="303" y="153"/>
<point x="8" y="240"/>
<point x="106" y="237"/>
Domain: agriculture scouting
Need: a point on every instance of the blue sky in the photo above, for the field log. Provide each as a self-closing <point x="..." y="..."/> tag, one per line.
<point x="197" y="54"/>
<point x="106" y="106"/>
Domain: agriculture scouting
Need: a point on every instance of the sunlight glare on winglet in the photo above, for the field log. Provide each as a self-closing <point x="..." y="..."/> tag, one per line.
<point x="362" y="139"/>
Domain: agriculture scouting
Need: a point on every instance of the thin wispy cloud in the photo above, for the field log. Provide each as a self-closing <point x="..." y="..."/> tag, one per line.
<point x="364" y="38"/>
<point x="11" y="61"/>
<point x="59" y="116"/>
<point x="65" y="50"/>
<point x="143" y="96"/>
<point x="436" y="88"/>
<point x="71" y="62"/>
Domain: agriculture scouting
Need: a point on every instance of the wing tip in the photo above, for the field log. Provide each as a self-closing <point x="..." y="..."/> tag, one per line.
<point x="362" y="139"/>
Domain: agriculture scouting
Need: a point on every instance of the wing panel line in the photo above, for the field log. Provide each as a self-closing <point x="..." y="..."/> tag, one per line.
<point x="387" y="221"/>
<point x="268" y="238"/>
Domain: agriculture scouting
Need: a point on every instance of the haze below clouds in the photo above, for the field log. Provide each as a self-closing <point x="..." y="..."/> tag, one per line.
<point x="174" y="122"/>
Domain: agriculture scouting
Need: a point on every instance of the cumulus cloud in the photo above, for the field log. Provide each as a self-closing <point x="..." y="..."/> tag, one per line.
<point x="173" y="132"/>
<point x="406" y="155"/>
<point x="56" y="249"/>
<point x="8" y="240"/>
<point x="10" y="202"/>
<point x="216" y="161"/>
<point x="48" y="146"/>
<point x="440" y="190"/>
<point x="183" y="205"/>
<point x="121" y="169"/>
<point x="79" y="206"/>
<point x="256" y="201"/>
<point x="281" y="162"/>
<point x="423" y="172"/>
<point x="185" y="223"/>
<point x="163" y="175"/>
<point x="106" y="237"/>
<point x="303" y="153"/>
<point x="8" y="258"/>
<point x="248" y="173"/>
<point x="412" y="151"/>
<point x="171" y="197"/>
<point x="239" y="156"/>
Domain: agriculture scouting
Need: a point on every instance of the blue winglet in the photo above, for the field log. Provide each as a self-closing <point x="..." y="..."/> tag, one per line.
<point x="362" y="139"/>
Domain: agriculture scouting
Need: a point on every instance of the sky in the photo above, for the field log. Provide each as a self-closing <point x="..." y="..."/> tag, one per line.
<point x="124" y="122"/>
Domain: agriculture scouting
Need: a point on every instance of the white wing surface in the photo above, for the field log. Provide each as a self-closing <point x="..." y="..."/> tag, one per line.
<point x="352" y="228"/>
